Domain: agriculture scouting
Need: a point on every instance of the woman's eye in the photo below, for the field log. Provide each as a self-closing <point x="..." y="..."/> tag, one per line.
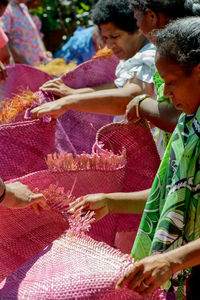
<point x="170" y="83"/>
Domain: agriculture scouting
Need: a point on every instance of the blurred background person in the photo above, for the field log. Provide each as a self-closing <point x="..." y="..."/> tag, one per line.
<point x="24" y="35"/>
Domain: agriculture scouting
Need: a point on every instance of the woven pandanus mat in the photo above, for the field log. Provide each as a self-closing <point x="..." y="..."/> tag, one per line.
<point x="142" y="163"/>
<point x="24" y="145"/>
<point x="22" y="76"/>
<point x="80" y="127"/>
<point x="74" y="266"/>
<point x="23" y="233"/>
<point x="142" y="155"/>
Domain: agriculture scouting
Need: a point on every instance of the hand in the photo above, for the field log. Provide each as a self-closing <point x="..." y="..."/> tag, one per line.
<point x="93" y="202"/>
<point x="19" y="195"/>
<point x="152" y="271"/>
<point x="56" y="87"/>
<point x="3" y="73"/>
<point x="130" y="113"/>
<point x="54" y="109"/>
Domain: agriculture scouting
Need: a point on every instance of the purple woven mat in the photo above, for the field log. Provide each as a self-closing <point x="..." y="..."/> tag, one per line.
<point x="72" y="267"/>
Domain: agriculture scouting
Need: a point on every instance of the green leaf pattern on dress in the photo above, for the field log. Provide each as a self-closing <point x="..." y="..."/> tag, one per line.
<point x="172" y="213"/>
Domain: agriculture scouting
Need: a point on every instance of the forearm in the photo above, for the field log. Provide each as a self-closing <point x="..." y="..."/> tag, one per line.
<point x="101" y="87"/>
<point x="127" y="202"/>
<point x="112" y="101"/>
<point x="184" y="257"/>
<point x="163" y="115"/>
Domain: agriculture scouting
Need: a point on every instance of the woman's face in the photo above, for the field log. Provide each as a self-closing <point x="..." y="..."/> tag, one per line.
<point x="184" y="90"/>
<point x="150" y="21"/>
<point x="143" y="23"/>
<point x="124" y="44"/>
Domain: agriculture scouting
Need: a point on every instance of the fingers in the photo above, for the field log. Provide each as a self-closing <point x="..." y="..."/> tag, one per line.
<point x="37" y="201"/>
<point x="40" y="111"/>
<point x="127" y="277"/>
<point x="52" y="86"/>
<point x="36" y="208"/>
<point x="80" y="202"/>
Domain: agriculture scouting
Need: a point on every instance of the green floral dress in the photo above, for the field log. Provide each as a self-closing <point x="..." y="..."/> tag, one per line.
<point x="159" y="84"/>
<point x="172" y="214"/>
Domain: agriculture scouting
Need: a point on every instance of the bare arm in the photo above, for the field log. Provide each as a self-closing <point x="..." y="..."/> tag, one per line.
<point x="102" y="204"/>
<point x="6" y="55"/>
<point x="111" y="101"/>
<point x="58" y="88"/>
<point x="163" y="115"/>
<point x="155" y="270"/>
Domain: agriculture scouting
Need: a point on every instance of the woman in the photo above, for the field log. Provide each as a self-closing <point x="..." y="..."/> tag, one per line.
<point x="135" y="70"/>
<point x="178" y="178"/>
<point x="24" y="37"/>
<point x="151" y="15"/>
<point x="170" y="222"/>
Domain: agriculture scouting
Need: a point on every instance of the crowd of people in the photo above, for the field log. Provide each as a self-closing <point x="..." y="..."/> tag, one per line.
<point x="157" y="43"/>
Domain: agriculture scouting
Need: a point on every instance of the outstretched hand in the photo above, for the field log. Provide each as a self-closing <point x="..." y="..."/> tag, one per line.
<point x="19" y="195"/>
<point x="54" y="109"/>
<point x="93" y="202"/>
<point x="57" y="87"/>
<point x="147" y="274"/>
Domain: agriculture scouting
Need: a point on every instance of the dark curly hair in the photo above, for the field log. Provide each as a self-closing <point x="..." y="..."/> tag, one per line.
<point x="179" y="42"/>
<point x="119" y="12"/>
<point x="172" y="8"/>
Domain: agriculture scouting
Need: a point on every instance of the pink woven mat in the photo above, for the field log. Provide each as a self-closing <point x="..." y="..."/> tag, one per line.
<point x="72" y="267"/>
<point x="26" y="143"/>
<point x="142" y="163"/>
<point x="142" y="155"/>
<point x="22" y="76"/>
<point x="23" y="147"/>
<point x="80" y="127"/>
<point x="23" y="233"/>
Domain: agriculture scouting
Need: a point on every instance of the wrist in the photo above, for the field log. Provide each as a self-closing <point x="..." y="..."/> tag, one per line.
<point x="138" y="102"/>
<point x="175" y="264"/>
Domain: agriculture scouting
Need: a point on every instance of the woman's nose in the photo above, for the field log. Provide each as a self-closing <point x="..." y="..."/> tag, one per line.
<point x="167" y="91"/>
<point x="109" y="43"/>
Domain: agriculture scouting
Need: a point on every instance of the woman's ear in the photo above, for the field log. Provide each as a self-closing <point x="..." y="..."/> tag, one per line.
<point x="152" y="17"/>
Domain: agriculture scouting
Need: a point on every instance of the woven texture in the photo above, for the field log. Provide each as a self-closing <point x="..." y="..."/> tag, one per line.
<point x="80" y="127"/>
<point x="23" y="147"/>
<point x="22" y="76"/>
<point x="23" y="234"/>
<point x="72" y="267"/>
<point x="142" y="155"/>
<point x="25" y="143"/>
<point x="142" y="163"/>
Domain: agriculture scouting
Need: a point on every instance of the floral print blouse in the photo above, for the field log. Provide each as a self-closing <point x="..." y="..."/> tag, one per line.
<point x="23" y="32"/>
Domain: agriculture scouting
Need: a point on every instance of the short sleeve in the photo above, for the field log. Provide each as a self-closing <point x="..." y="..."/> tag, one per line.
<point x="3" y="38"/>
<point x="143" y="63"/>
<point x="6" y="19"/>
